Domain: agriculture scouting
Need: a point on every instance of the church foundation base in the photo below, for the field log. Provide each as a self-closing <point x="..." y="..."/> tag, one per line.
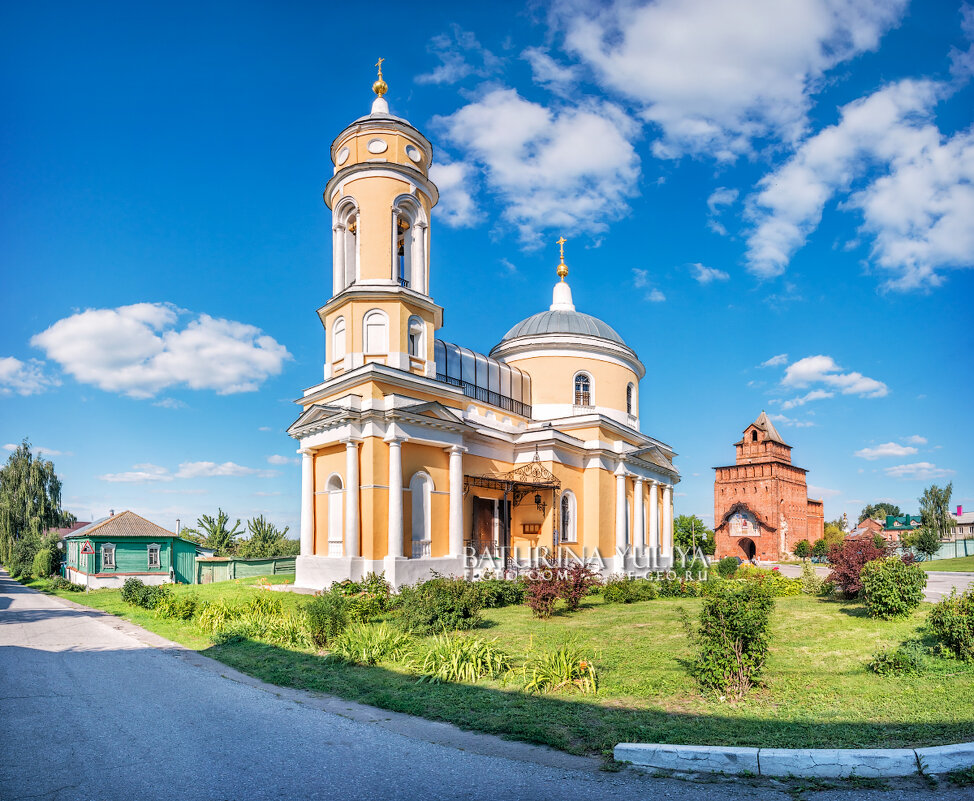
<point x="320" y="572"/>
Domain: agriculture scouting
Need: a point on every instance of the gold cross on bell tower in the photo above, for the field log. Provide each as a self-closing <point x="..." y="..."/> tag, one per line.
<point x="562" y="268"/>
<point x="380" y="87"/>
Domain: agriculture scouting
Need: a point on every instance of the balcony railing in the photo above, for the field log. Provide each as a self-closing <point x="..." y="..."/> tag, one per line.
<point x="487" y="396"/>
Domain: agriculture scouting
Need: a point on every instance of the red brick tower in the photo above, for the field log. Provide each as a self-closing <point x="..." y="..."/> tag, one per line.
<point x="761" y="503"/>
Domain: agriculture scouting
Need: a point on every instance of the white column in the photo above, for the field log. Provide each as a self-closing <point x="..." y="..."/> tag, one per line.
<point x="419" y="279"/>
<point x="653" y="517"/>
<point x="620" y="509"/>
<point x="638" y="518"/>
<point x="351" y="498"/>
<point x="667" y="519"/>
<point x="456" y="500"/>
<point x="307" y="503"/>
<point x="337" y="259"/>
<point x="395" y="497"/>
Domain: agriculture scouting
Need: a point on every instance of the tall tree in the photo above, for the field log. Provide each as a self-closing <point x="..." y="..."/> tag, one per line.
<point x="690" y="532"/>
<point x="935" y="510"/>
<point x="265" y="540"/>
<point x="879" y="510"/>
<point x="30" y="500"/>
<point x="216" y="532"/>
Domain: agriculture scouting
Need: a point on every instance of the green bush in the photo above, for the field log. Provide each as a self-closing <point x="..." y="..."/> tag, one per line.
<point x="891" y="588"/>
<point x="459" y="657"/>
<point x="952" y="621"/>
<point x="627" y="590"/>
<point x="496" y="593"/>
<point x="566" y="668"/>
<point x="326" y="616"/>
<point x="803" y="549"/>
<point x="811" y="581"/>
<point x="43" y="563"/>
<point x="439" y="605"/>
<point x="733" y="638"/>
<point x="364" y="607"/>
<point x="177" y="607"/>
<point x="21" y="561"/>
<point x="346" y="587"/>
<point x="376" y="584"/>
<point x="727" y="567"/>
<point x="679" y="588"/>
<point x="61" y="584"/>
<point x="906" y="660"/>
<point x="215" y="615"/>
<point x="370" y="643"/>
<point x="137" y="593"/>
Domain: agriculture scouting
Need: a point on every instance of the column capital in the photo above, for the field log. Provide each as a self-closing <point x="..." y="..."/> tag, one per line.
<point x="639" y="480"/>
<point x="306" y="452"/>
<point x="620" y="471"/>
<point x="352" y="442"/>
<point x="392" y="439"/>
<point x="455" y="449"/>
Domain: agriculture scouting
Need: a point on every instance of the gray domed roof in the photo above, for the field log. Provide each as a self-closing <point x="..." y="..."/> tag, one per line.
<point x="563" y="322"/>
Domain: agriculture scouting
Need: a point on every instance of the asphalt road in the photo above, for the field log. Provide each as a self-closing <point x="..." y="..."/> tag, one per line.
<point x="939" y="583"/>
<point x="92" y="707"/>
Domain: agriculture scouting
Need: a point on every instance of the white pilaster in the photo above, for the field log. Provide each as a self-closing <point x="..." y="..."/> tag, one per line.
<point x="395" y="497"/>
<point x="653" y="517"/>
<point x="338" y="259"/>
<point x="351" y="498"/>
<point x="456" y="500"/>
<point x="307" y="503"/>
<point x="620" y="510"/>
<point x="667" y="545"/>
<point x="638" y="518"/>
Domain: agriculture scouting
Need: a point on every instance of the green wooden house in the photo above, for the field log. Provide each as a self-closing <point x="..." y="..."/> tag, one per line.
<point x="126" y="545"/>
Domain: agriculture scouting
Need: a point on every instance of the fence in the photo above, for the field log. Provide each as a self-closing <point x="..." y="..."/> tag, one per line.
<point x="955" y="549"/>
<point x="225" y="568"/>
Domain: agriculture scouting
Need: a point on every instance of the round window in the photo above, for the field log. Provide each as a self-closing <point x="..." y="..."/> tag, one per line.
<point x="342" y="156"/>
<point x="414" y="153"/>
<point x="378" y="146"/>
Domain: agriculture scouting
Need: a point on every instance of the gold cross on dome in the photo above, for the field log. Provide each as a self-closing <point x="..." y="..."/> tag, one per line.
<point x="562" y="269"/>
<point x="561" y="247"/>
<point x="379" y="65"/>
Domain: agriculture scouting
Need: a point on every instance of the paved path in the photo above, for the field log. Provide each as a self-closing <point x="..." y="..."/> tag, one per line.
<point x="939" y="582"/>
<point x="95" y="708"/>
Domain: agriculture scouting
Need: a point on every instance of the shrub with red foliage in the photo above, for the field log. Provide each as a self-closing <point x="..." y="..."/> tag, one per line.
<point x="848" y="558"/>
<point x="576" y="581"/>
<point x="542" y="592"/>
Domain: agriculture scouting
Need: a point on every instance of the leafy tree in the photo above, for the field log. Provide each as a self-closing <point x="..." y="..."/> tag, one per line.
<point x="803" y="549"/>
<point x="266" y="540"/>
<point x="879" y="540"/>
<point x="30" y="504"/>
<point x="847" y="559"/>
<point x="217" y="533"/>
<point x="935" y="510"/>
<point x="833" y="534"/>
<point x="879" y="510"/>
<point x="820" y="549"/>
<point x="689" y="531"/>
<point x="925" y="542"/>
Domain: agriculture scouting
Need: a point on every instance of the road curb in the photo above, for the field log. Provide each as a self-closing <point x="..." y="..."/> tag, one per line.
<point x="805" y="763"/>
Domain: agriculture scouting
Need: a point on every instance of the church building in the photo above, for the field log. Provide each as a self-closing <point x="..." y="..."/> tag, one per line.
<point x="761" y="503"/>
<point x="419" y="455"/>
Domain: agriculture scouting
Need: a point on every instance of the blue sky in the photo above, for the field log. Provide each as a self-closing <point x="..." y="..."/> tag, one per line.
<point x="772" y="203"/>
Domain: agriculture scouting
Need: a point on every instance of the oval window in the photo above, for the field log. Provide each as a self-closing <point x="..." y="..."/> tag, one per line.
<point x="377" y="146"/>
<point x="342" y="156"/>
<point x="414" y="153"/>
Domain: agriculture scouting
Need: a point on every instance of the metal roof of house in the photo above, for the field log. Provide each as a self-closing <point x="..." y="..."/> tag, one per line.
<point x="561" y="321"/>
<point x="124" y="524"/>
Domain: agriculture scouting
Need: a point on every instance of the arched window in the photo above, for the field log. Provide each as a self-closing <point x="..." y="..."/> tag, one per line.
<point x="421" y="496"/>
<point x="569" y="529"/>
<point x="409" y="251"/>
<point x="417" y="338"/>
<point x="376" y="332"/>
<point x="345" y="244"/>
<point x="338" y="340"/>
<point x="629" y="399"/>
<point x="754" y="436"/>
<point x="583" y="389"/>
<point x="335" y="496"/>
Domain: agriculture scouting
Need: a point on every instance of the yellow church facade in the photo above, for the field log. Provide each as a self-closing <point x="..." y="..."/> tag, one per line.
<point x="419" y="455"/>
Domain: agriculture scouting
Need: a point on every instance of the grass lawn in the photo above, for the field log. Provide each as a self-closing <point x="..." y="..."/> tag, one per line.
<point x="817" y="693"/>
<point x="964" y="564"/>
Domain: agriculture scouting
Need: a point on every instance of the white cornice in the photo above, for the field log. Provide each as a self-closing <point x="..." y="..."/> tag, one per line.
<point x="386" y="290"/>
<point x="570" y="345"/>
<point x="386" y="169"/>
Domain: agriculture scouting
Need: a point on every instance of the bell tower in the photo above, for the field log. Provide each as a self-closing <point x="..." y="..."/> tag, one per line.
<point x="381" y="201"/>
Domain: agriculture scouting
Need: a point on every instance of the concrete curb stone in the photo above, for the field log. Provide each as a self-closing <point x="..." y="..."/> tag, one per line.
<point x="819" y="763"/>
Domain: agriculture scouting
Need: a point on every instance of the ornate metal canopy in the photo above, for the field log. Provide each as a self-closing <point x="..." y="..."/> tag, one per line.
<point x="520" y="482"/>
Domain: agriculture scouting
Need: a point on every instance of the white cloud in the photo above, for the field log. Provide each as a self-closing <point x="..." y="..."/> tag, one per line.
<point x="719" y="198"/>
<point x="265" y="428"/>
<point x="884" y="450"/>
<point x="213" y="469"/>
<point x="460" y="55"/>
<point x="790" y="421"/>
<point x="775" y="361"/>
<point x="552" y="75"/>
<point x="139" y="474"/>
<point x="278" y="459"/>
<point x="570" y="168"/>
<point x="814" y="395"/>
<point x="141" y="349"/>
<point x="655" y="296"/>
<point x="640" y="280"/>
<point x="915" y="439"/>
<point x="170" y="403"/>
<point x="455" y="181"/>
<point x="912" y="185"/>
<point x="822" y="492"/>
<point x="715" y="75"/>
<point x="918" y="471"/>
<point x="38" y="450"/>
<point x="23" y="378"/>
<point x="706" y="275"/>
<point x="823" y="370"/>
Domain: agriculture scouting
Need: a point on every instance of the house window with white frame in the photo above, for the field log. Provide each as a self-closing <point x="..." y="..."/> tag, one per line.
<point x="108" y="556"/>
<point x="154" y="556"/>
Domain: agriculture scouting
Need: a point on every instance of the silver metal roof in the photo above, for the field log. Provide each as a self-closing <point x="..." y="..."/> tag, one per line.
<point x="563" y="322"/>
